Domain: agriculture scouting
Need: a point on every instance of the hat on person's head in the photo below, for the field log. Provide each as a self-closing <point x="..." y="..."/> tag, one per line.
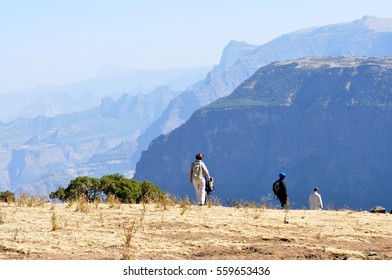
<point x="282" y="175"/>
<point x="316" y="189"/>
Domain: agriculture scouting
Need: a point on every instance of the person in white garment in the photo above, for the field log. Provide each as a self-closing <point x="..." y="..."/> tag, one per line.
<point x="315" y="201"/>
<point x="198" y="175"/>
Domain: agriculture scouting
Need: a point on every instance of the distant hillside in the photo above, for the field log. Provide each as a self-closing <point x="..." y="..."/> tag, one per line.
<point x="369" y="36"/>
<point x="113" y="81"/>
<point x="325" y="121"/>
<point x="38" y="155"/>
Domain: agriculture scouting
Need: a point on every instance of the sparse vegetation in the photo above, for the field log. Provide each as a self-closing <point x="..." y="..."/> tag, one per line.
<point x="185" y="204"/>
<point x="235" y="203"/>
<point x="26" y="200"/>
<point x="139" y="231"/>
<point x="54" y="222"/>
<point x="113" y="201"/>
<point x="213" y="201"/>
<point x="256" y="214"/>
<point x="129" y="231"/>
<point x="16" y="232"/>
<point x="165" y="201"/>
<point x="144" y="209"/>
<point x="82" y="204"/>
<point x="2" y="217"/>
<point x="96" y="202"/>
<point x="319" y="234"/>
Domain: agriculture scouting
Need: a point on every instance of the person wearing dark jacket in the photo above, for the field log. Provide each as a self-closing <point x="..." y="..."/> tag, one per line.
<point x="282" y="190"/>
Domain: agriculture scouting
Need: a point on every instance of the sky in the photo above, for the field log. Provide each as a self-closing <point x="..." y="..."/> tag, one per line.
<point x="46" y="42"/>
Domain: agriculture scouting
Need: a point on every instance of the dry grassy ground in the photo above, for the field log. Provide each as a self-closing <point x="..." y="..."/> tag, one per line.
<point x="189" y="232"/>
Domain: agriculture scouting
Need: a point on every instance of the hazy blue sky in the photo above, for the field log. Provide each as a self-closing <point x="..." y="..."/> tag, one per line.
<point x="57" y="42"/>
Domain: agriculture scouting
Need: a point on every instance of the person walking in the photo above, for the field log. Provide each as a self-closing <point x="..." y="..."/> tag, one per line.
<point x="315" y="201"/>
<point x="198" y="175"/>
<point x="280" y="190"/>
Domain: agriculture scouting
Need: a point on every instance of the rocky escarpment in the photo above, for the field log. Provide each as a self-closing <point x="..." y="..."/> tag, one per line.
<point x="369" y="36"/>
<point x="326" y="122"/>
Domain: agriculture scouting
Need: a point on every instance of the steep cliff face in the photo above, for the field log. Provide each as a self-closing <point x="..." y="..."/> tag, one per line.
<point x="326" y="122"/>
<point x="369" y="36"/>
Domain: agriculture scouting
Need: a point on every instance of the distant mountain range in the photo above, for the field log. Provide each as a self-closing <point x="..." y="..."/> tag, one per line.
<point x="369" y="36"/>
<point x="100" y="130"/>
<point x="113" y="81"/>
<point x="324" y="121"/>
<point x="38" y="155"/>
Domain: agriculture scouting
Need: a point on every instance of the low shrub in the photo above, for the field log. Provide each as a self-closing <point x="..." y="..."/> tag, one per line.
<point x="7" y="197"/>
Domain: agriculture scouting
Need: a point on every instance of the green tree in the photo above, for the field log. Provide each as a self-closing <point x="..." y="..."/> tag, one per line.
<point x="90" y="187"/>
<point x="150" y="191"/>
<point x="59" y="194"/>
<point x="87" y="186"/>
<point x="127" y="190"/>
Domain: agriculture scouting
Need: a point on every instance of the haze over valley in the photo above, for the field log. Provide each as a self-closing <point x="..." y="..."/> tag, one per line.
<point x="314" y="102"/>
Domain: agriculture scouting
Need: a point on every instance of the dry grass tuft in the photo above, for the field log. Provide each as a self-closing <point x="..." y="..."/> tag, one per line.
<point x="129" y="231"/>
<point x="2" y="217"/>
<point x="82" y="204"/>
<point x="185" y="204"/>
<point x="26" y="200"/>
<point x="16" y="232"/>
<point x="54" y="222"/>
<point x="212" y="201"/>
<point x="165" y="201"/>
<point x="113" y="201"/>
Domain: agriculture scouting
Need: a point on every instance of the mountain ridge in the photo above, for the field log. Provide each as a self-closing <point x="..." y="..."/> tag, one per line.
<point x="83" y="95"/>
<point x="357" y="38"/>
<point x="39" y="154"/>
<point x="309" y="124"/>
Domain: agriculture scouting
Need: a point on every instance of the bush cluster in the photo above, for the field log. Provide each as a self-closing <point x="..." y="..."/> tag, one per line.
<point x="126" y="190"/>
<point x="7" y="196"/>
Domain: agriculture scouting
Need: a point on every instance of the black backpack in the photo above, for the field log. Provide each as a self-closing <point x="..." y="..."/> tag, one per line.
<point x="275" y="187"/>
